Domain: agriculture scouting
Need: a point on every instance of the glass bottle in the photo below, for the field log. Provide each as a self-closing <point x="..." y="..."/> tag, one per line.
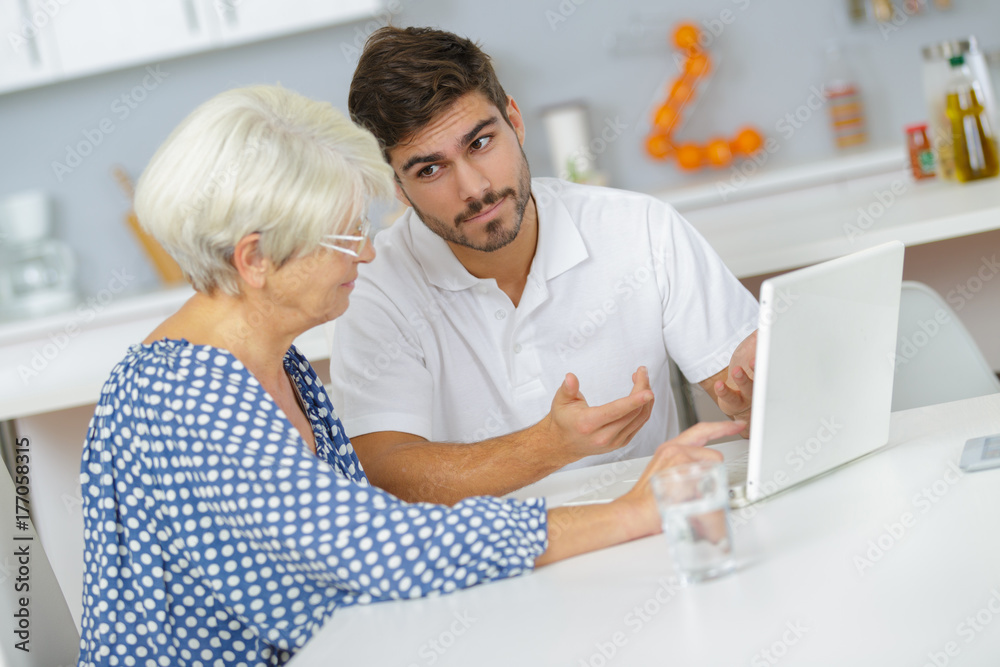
<point x="973" y="140"/>
<point x="846" y="107"/>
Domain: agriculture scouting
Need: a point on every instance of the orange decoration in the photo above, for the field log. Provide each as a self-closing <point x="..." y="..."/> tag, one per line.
<point x="689" y="156"/>
<point x="718" y="153"/>
<point x="681" y="92"/>
<point x="686" y="37"/>
<point x="747" y="142"/>
<point x="660" y="144"/>
<point x="665" y="119"/>
<point x="698" y="65"/>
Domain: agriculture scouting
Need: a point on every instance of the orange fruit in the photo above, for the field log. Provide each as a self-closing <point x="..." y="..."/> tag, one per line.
<point x="686" y="36"/>
<point x="665" y="119"/>
<point x="658" y="146"/>
<point x="747" y="142"/>
<point x="717" y="153"/>
<point x="688" y="156"/>
<point x="698" y="65"/>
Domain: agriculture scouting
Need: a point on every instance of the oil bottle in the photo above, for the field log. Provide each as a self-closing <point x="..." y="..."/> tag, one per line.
<point x="973" y="139"/>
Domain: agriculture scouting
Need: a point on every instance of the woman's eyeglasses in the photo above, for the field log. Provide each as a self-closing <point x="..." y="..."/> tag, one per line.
<point x="349" y="244"/>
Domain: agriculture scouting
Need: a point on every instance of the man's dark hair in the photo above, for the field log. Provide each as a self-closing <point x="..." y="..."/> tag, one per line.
<point x="407" y="76"/>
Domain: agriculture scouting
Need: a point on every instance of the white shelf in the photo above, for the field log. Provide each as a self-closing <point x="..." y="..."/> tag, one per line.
<point x="766" y="227"/>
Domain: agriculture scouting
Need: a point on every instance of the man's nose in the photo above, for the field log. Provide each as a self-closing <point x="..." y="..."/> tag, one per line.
<point x="472" y="182"/>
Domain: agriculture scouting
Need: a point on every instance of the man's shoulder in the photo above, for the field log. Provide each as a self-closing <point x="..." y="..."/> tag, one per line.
<point x="591" y="202"/>
<point x="603" y="214"/>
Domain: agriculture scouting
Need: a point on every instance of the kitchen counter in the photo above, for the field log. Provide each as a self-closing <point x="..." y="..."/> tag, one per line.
<point x="62" y="360"/>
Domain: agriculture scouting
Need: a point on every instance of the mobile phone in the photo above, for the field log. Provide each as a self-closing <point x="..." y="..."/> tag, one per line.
<point x="981" y="453"/>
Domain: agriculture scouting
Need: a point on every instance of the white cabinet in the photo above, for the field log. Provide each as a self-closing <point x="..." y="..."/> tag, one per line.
<point x="99" y="35"/>
<point x="49" y="40"/>
<point x="26" y="55"/>
<point x="247" y="20"/>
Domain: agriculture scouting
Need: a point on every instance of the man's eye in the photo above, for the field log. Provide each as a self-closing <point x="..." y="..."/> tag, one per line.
<point x="429" y="170"/>
<point x="481" y="143"/>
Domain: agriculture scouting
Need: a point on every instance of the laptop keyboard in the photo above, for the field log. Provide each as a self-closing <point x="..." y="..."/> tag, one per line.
<point x="736" y="468"/>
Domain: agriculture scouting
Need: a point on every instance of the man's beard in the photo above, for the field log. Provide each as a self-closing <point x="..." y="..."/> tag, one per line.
<point x="497" y="236"/>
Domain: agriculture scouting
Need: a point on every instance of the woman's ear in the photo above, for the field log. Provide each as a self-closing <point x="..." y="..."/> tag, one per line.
<point x="250" y="262"/>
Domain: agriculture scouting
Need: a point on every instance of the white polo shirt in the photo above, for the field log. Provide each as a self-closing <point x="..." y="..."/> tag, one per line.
<point x="618" y="280"/>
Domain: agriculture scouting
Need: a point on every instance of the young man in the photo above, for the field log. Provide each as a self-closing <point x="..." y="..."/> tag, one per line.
<point x="496" y="298"/>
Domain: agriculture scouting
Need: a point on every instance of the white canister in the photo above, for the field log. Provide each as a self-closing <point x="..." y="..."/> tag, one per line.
<point x="568" y="130"/>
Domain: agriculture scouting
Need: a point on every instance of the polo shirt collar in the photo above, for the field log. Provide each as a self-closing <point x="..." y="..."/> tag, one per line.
<point x="560" y="246"/>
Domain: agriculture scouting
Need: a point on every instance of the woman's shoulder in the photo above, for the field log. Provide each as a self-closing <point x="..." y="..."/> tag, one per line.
<point x="173" y="367"/>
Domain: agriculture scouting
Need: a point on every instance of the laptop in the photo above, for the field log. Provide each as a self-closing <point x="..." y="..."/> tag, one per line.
<point x="823" y="376"/>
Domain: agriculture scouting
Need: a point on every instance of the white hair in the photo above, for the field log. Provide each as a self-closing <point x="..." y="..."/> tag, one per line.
<point x="257" y="159"/>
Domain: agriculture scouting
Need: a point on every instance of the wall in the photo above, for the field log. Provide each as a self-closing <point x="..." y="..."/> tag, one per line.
<point x="547" y="52"/>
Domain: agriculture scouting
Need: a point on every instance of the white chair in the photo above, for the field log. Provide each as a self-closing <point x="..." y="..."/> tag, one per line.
<point x="937" y="361"/>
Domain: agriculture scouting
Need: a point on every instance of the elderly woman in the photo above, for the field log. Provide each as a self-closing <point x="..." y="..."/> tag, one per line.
<point x="226" y="514"/>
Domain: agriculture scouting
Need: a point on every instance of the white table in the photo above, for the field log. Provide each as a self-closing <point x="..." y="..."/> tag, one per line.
<point x="803" y="592"/>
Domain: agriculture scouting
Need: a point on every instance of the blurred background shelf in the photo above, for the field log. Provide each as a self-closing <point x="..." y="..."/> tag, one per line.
<point x="62" y="361"/>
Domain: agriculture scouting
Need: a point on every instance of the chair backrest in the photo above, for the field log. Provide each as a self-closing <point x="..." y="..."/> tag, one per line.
<point x="45" y="620"/>
<point x="937" y="360"/>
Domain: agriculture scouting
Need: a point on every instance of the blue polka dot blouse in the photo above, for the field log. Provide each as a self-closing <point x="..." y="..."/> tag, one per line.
<point x="214" y="536"/>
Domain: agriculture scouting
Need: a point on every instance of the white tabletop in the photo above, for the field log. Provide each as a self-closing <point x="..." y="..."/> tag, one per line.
<point x="888" y="561"/>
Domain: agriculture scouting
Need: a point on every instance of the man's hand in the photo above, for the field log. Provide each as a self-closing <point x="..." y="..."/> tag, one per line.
<point x="582" y="430"/>
<point x="733" y="388"/>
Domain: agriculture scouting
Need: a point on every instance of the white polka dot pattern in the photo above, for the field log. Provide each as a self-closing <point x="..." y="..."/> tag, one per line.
<point x="213" y="536"/>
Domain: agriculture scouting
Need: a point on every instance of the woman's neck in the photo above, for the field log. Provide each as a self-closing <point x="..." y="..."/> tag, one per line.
<point x="249" y="331"/>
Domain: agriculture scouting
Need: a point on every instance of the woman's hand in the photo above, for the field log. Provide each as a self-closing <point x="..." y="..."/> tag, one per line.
<point x="687" y="447"/>
<point x="578" y="529"/>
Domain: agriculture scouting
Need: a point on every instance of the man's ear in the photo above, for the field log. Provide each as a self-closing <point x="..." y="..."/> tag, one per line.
<point x="249" y="262"/>
<point x="514" y="116"/>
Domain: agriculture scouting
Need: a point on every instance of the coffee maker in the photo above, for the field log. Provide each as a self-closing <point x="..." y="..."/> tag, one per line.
<point x="36" y="270"/>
